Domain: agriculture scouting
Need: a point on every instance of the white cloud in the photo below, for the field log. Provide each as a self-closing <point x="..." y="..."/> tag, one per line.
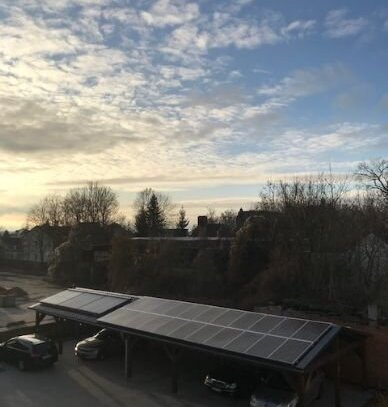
<point x="169" y="12"/>
<point x="338" y="26"/>
<point x="305" y="82"/>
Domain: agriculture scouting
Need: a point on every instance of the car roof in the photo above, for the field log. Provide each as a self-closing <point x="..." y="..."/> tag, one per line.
<point x="34" y="340"/>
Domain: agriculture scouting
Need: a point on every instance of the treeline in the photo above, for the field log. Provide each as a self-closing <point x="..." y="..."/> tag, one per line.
<point x="93" y="203"/>
<point x="314" y="242"/>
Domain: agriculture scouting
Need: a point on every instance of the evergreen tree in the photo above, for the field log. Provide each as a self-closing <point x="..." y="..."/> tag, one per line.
<point x="141" y="223"/>
<point x="183" y="222"/>
<point x="156" y="220"/>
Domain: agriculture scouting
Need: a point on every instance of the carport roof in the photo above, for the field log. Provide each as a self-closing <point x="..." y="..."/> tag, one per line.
<point x="275" y="341"/>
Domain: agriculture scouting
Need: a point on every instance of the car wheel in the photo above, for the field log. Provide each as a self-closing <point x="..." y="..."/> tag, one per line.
<point x="21" y="365"/>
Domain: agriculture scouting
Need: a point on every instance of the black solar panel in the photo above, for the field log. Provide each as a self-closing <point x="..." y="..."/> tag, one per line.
<point x="170" y="326"/>
<point x="266" y="324"/>
<point x="223" y="337"/>
<point x="288" y="327"/>
<point x="227" y="317"/>
<point x="244" y="341"/>
<point x="246" y="320"/>
<point x="290" y="351"/>
<point x="185" y="330"/>
<point x="204" y="333"/>
<point x="79" y="301"/>
<point x="103" y="304"/>
<point x="312" y="331"/>
<point x="275" y="338"/>
<point x="60" y="297"/>
<point x="265" y="346"/>
<point x="209" y="315"/>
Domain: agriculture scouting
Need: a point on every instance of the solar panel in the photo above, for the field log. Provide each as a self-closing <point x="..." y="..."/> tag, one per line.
<point x="290" y="351"/>
<point x="185" y="330"/>
<point x="60" y="297"/>
<point x="266" y="324"/>
<point x="271" y="337"/>
<point x="312" y="331"/>
<point x="223" y="337"/>
<point x="80" y="300"/>
<point x="265" y="346"/>
<point x="227" y="317"/>
<point x="288" y="327"/>
<point x="209" y="314"/>
<point x="246" y="320"/>
<point x="171" y="325"/>
<point x="204" y="333"/>
<point x="244" y="341"/>
<point x="103" y="304"/>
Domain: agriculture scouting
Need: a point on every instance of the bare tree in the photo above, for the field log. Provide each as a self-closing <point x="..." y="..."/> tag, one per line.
<point x="49" y="211"/>
<point x="375" y="175"/>
<point x="93" y="203"/>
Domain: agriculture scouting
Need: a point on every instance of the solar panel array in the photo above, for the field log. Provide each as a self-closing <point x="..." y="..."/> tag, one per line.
<point x="95" y="304"/>
<point x="271" y="337"/>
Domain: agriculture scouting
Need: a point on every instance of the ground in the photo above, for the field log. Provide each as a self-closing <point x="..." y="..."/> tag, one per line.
<point x="76" y="383"/>
<point x="37" y="288"/>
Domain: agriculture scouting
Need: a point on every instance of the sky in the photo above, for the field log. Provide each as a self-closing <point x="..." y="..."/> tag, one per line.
<point x="203" y="100"/>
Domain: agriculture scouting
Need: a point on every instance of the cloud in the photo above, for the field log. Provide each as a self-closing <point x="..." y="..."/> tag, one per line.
<point x="338" y="26"/>
<point x="168" y="12"/>
<point x="306" y="82"/>
<point x="299" y="27"/>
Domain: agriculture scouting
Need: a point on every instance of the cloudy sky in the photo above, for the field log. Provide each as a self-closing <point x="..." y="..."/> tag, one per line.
<point x="202" y="99"/>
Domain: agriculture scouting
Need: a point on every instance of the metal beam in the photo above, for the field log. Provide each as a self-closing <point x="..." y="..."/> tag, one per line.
<point x="337" y="375"/>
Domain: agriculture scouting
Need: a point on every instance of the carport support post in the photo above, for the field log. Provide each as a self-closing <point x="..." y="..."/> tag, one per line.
<point x="59" y="326"/>
<point x="129" y="345"/>
<point x="173" y="354"/>
<point x="38" y="319"/>
<point x="337" y="375"/>
<point x="301" y="388"/>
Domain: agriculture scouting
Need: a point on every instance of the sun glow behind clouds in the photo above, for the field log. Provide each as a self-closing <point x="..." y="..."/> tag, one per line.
<point x="170" y="94"/>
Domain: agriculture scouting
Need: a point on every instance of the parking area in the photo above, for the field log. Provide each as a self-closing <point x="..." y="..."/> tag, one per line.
<point x="73" y="382"/>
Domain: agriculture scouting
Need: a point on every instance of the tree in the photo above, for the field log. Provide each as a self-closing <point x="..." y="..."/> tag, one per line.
<point x="48" y="211"/>
<point x="156" y="220"/>
<point x="183" y="222"/>
<point x="146" y="221"/>
<point x="92" y="203"/>
<point x="375" y="176"/>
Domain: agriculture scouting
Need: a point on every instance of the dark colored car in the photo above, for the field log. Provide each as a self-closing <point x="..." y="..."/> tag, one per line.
<point x="274" y="391"/>
<point x="230" y="381"/>
<point x="104" y="343"/>
<point x="29" y="351"/>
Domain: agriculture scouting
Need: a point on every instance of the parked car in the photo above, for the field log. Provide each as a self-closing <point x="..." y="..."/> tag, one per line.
<point x="229" y="380"/>
<point x="274" y="391"/>
<point x="104" y="343"/>
<point x="29" y="351"/>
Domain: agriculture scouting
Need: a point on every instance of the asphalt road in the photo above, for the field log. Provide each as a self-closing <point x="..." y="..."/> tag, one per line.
<point x="73" y="383"/>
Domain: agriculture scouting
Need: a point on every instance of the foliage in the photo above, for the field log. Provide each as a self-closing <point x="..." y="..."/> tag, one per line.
<point x="182" y="222"/>
<point x="152" y="209"/>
